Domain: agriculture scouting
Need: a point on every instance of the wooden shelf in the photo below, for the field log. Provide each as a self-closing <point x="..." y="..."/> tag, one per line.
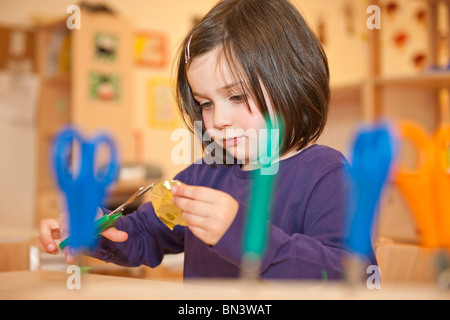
<point x="60" y="79"/>
<point x="346" y="92"/>
<point x="434" y="80"/>
<point x="435" y="1"/>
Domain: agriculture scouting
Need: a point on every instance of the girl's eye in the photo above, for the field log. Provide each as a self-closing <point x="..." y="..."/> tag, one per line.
<point x="237" y="98"/>
<point x="206" y="105"/>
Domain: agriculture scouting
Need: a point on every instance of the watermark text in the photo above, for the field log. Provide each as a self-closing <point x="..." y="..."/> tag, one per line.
<point x="74" y="20"/>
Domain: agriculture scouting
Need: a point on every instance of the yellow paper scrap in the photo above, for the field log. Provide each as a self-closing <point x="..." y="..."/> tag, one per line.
<point x="161" y="197"/>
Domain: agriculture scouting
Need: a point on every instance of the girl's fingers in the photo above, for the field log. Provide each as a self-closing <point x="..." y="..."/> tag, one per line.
<point x="194" y="220"/>
<point x="56" y="234"/>
<point x="192" y="206"/>
<point x="203" y="194"/>
<point x="47" y="229"/>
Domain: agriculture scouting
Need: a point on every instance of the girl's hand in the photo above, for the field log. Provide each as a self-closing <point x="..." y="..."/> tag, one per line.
<point x="51" y="230"/>
<point x="208" y="212"/>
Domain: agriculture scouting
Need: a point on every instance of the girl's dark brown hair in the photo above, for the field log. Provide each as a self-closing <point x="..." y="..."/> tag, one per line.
<point x="267" y="44"/>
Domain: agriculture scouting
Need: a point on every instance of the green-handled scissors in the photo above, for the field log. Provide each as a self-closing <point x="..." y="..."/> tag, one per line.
<point x="109" y="220"/>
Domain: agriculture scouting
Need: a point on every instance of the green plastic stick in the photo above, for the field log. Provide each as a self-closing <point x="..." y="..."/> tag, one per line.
<point x="257" y="228"/>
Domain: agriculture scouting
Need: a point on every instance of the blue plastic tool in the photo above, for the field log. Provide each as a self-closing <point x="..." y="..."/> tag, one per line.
<point x="85" y="188"/>
<point x="373" y="153"/>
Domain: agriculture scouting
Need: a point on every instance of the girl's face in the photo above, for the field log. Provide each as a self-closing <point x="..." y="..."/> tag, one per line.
<point x="225" y="115"/>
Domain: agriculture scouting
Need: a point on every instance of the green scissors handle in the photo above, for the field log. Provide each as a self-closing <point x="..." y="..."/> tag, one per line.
<point x="105" y="222"/>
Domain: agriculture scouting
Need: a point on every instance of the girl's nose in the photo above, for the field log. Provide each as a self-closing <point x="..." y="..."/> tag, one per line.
<point x="223" y="116"/>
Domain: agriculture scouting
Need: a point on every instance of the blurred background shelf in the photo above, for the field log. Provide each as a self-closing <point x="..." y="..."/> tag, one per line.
<point x="430" y="80"/>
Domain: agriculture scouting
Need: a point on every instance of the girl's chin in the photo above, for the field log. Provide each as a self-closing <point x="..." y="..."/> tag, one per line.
<point x="239" y="155"/>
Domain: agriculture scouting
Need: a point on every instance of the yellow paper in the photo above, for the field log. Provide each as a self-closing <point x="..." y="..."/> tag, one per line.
<point x="161" y="197"/>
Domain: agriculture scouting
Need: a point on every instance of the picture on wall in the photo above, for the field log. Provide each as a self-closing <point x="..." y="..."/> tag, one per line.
<point x="104" y="87"/>
<point x="106" y="45"/>
<point x="161" y="111"/>
<point x="150" y="49"/>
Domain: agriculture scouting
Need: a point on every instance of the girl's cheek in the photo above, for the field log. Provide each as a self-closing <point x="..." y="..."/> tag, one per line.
<point x="207" y="122"/>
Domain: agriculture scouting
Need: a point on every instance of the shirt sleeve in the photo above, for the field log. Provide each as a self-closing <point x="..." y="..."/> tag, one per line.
<point x="149" y="239"/>
<point x="315" y="251"/>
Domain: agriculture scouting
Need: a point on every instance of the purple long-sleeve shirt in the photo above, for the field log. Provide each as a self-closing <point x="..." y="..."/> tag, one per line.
<point x="306" y="229"/>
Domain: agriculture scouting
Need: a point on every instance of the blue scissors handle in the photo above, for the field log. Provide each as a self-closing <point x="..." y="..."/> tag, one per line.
<point x="86" y="186"/>
<point x="67" y="174"/>
<point x="62" y="156"/>
<point x="107" y="174"/>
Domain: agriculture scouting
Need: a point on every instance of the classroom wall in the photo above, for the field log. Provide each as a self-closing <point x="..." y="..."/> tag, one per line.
<point x="16" y="173"/>
<point x="173" y="17"/>
<point x="341" y="24"/>
<point x="17" y="165"/>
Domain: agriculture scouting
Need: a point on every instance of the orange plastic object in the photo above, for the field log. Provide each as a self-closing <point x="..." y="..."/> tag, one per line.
<point x="417" y="185"/>
<point x="441" y="184"/>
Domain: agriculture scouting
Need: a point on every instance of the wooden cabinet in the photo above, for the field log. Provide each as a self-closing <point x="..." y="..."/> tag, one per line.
<point x="86" y="81"/>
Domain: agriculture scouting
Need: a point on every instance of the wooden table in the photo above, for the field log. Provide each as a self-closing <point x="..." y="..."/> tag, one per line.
<point x="53" y="285"/>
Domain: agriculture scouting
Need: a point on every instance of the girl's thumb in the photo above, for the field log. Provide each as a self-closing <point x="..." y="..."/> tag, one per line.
<point x="115" y="235"/>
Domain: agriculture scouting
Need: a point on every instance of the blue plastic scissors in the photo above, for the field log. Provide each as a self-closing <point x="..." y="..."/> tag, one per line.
<point x="86" y="187"/>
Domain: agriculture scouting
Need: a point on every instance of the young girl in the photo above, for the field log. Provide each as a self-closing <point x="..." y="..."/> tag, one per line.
<point x="244" y="60"/>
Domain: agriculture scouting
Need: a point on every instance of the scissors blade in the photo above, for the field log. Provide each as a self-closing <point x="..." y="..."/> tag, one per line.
<point x="144" y="190"/>
<point x="137" y="194"/>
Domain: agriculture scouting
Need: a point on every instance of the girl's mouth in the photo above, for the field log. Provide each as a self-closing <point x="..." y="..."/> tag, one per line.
<point x="231" y="141"/>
